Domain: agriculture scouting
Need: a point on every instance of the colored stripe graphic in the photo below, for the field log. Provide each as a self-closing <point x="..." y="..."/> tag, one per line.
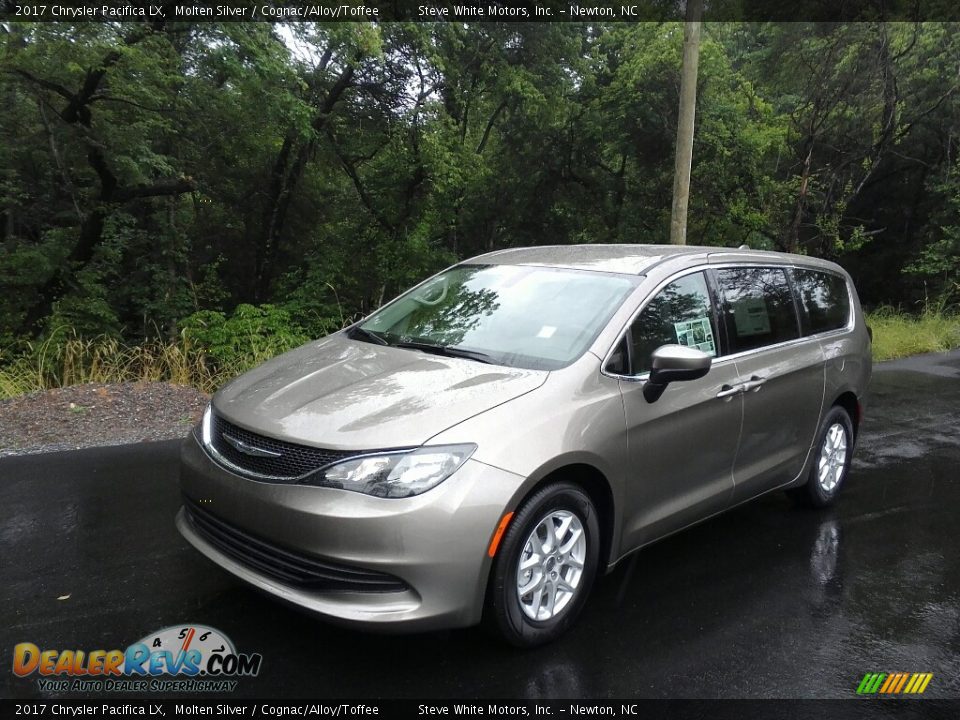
<point x="894" y="683"/>
<point x="870" y="683"/>
<point x="891" y="681"/>
<point x="903" y="681"/>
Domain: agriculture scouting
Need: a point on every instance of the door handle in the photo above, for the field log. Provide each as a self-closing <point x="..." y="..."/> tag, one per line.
<point x="754" y="383"/>
<point x="728" y="391"/>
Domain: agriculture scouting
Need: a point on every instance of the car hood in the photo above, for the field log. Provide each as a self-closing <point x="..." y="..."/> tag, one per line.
<point x="349" y="395"/>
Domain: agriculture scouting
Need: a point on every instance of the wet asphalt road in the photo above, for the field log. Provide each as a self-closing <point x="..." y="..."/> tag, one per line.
<point x="764" y="601"/>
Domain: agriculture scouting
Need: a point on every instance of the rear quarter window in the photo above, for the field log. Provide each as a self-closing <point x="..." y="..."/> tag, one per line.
<point x="824" y="300"/>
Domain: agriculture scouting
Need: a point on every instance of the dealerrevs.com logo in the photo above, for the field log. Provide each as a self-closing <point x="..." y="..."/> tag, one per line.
<point x="180" y="658"/>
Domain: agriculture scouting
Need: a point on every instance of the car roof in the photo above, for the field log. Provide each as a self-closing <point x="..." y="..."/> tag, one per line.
<point x="632" y="259"/>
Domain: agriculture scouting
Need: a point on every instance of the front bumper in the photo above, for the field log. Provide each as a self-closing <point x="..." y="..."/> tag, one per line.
<point x="435" y="543"/>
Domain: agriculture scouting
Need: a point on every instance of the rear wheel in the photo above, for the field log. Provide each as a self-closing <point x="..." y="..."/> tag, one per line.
<point x="834" y="450"/>
<point x="545" y="566"/>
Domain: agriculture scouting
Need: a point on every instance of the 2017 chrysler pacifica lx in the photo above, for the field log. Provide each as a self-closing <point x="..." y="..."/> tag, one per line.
<point x="487" y="443"/>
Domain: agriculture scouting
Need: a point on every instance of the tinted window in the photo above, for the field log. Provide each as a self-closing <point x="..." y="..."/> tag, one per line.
<point x="680" y="314"/>
<point x="824" y="300"/>
<point x="758" y="307"/>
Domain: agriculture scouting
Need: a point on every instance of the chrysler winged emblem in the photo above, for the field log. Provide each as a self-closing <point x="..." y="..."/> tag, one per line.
<point x="248" y="449"/>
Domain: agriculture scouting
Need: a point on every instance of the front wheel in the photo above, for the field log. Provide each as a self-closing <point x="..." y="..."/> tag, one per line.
<point x="834" y="451"/>
<point x="545" y="566"/>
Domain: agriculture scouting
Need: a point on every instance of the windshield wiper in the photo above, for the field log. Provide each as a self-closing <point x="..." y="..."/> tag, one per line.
<point x="369" y="335"/>
<point x="446" y="350"/>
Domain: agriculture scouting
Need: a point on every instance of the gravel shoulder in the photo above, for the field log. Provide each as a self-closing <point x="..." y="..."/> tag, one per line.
<point x="94" y="414"/>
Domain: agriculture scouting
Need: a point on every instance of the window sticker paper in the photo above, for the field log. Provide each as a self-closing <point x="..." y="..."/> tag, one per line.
<point x="697" y="334"/>
<point x="751" y="317"/>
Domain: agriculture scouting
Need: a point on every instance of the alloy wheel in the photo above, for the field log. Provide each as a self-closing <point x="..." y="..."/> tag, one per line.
<point x="833" y="457"/>
<point x="551" y="565"/>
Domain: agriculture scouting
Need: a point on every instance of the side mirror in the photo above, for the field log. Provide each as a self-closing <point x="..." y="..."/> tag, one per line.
<point x="674" y="363"/>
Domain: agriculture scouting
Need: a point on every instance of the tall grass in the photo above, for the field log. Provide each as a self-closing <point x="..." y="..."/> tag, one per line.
<point x="898" y="334"/>
<point x="62" y="361"/>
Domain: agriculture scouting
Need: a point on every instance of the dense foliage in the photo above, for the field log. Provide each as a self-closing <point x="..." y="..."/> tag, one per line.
<point x="274" y="182"/>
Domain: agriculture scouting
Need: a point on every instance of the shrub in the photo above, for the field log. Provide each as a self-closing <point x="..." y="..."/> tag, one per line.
<point x="247" y="337"/>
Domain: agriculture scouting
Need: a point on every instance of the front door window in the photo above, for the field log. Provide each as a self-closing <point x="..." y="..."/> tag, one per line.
<point x="680" y="314"/>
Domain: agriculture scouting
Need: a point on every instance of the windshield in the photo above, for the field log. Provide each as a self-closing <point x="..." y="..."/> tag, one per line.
<point x="521" y="316"/>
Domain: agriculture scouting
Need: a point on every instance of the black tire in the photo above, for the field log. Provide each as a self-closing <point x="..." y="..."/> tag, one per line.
<point x="821" y="494"/>
<point x="506" y="613"/>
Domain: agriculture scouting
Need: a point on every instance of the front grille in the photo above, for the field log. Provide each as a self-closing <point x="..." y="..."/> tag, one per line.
<point x="294" y="460"/>
<point x="288" y="566"/>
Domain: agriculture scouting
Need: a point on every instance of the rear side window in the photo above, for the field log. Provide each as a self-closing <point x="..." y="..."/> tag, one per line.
<point x="757" y="306"/>
<point x="680" y="314"/>
<point x="824" y="300"/>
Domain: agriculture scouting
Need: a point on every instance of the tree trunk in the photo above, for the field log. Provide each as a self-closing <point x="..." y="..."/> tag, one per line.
<point x="793" y="238"/>
<point x="688" y="108"/>
<point x="288" y="168"/>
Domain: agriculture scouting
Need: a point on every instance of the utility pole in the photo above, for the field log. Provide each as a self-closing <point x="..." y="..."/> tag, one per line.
<point x="688" y="109"/>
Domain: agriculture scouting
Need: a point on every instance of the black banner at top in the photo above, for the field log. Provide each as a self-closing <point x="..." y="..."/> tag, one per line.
<point x="584" y="11"/>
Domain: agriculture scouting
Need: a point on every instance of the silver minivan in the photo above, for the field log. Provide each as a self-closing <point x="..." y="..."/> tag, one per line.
<point x="485" y="445"/>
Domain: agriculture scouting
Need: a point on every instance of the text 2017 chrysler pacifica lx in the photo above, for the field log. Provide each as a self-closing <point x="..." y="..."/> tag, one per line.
<point x="484" y="445"/>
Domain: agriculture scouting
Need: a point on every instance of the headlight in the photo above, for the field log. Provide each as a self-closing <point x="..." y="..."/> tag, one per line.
<point x="395" y="475"/>
<point x="205" y="423"/>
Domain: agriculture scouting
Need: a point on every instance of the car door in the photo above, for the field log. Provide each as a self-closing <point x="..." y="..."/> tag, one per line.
<point x="781" y="374"/>
<point x="681" y="447"/>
